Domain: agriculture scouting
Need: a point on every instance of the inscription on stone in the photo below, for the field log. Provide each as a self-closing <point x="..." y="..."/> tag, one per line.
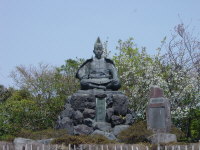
<point x="100" y="109"/>
<point x="157" y="118"/>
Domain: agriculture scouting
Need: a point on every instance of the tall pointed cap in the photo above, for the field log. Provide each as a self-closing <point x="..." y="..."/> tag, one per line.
<point x="98" y="43"/>
<point x="98" y="40"/>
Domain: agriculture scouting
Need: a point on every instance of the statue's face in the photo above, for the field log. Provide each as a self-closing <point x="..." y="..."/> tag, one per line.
<point x="98" y="51"/>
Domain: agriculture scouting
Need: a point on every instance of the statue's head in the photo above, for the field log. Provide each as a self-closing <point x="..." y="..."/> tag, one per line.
<point x="98" y="48"/>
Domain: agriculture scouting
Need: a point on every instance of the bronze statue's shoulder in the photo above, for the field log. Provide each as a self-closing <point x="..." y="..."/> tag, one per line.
<point x="109" y="61"/>
<point x="87" y="61"/>
<point x="91" y="59"/>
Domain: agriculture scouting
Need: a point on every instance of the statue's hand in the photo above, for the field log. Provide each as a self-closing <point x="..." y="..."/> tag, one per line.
<point x="97" y="86"/>
<point x="114" y="84"/>
<point x="84" y="77"/>
<point x="114" y="81"/>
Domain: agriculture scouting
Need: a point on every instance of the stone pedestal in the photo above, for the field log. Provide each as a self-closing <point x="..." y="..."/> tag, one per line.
<point x="89" y="109"/>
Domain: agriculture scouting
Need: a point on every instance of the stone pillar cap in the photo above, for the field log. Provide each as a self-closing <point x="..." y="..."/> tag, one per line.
<point x="156" y="92"/>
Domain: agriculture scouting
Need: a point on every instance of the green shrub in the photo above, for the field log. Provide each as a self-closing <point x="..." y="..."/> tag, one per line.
<point x="136" y="133"/>
<point x="18" y="95"/>
<point x="8" y="138"/>
<point x="195" y="124"/>
<point x="43" y="134"/>
<point x="22" y="111"/>
<point x="15" y="115"/>
<point x="179" y="134"/>
<point x="82" y="139"/>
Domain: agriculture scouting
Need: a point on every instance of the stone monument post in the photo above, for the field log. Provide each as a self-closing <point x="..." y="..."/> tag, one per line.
<point x="159" y="117"/>
<point x="100" y="108"/>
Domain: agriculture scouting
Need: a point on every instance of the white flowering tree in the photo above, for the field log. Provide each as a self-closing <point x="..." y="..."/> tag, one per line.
<point x="182" y="59"/>
<point x="177" y="72"/>
<point x="138" y="71"/>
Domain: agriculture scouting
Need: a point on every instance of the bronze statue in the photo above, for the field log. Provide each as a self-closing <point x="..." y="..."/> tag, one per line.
<point x="98" y="72"/>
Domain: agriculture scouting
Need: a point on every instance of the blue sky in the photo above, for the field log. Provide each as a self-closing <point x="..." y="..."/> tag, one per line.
<point x="51" y="31"/>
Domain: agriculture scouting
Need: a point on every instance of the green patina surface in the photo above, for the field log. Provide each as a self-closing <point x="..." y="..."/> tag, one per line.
<point x="100" y="109"/>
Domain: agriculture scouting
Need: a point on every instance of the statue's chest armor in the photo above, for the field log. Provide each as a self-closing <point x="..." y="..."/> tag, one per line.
<point x="98" y="65"/>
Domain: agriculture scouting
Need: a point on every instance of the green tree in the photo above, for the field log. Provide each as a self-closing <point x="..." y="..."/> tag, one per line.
<point x="137" y="72"/>
<point x="20" y="111"/>
<point x="39" y="81"/>
<point x="195" y="124"/>
<point x="5" y="93"/>
<point x="45" y="82"/>
<point x="66" y="74"/>
<point x="40" y="98"/>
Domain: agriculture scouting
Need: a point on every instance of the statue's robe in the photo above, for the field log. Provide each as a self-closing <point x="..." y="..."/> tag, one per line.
<point x="98" y="72"/>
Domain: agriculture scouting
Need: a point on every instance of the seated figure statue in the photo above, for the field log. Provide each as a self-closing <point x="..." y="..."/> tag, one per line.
<point x="98" y="72"/>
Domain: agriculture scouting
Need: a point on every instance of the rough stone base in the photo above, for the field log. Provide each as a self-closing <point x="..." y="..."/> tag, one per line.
<point x="79" y="115"/>
<point x="162" y="138"/>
